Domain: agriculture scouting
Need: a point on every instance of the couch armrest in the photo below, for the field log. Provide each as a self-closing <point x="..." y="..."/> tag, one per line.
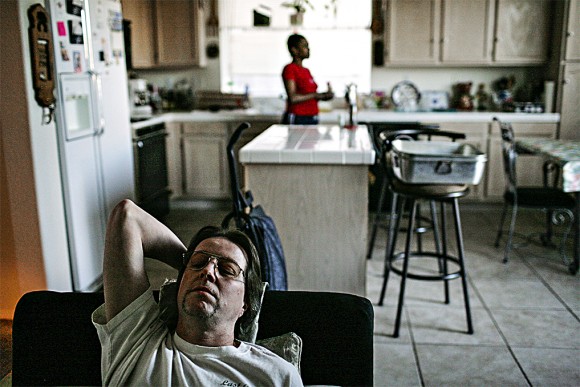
<point x="54" y="341"/>
<point x="336" y="330"/>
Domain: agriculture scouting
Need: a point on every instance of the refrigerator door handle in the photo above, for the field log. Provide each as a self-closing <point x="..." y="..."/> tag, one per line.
<point x="99" y="123"/>
<point x="88" y="41"/>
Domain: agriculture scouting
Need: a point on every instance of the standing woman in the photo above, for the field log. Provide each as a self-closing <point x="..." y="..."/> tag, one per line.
<point x="302" y="102"/>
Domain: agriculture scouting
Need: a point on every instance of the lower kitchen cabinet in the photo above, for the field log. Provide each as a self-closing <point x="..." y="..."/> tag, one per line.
<point x="205" y="173"/>
<point x="174" y="162"/>
<point x="197" y="157"/>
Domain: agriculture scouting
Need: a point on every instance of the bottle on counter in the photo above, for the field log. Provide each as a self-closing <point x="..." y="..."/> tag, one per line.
<point x="155" y="99"/>
<point x="482" y="100"/>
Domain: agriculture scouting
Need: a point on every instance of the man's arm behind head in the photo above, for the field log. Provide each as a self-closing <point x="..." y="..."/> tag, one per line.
<point x="133" y="234"/>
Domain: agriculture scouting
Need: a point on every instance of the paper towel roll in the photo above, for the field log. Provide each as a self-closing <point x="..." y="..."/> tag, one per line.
<point x="549" y="96"/>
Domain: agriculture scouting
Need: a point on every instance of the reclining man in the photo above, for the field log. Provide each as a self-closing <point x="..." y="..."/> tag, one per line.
<point x="219" y="294"/>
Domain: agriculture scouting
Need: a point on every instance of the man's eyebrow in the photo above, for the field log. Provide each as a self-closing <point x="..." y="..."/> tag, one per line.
<point x="213" y="254"/>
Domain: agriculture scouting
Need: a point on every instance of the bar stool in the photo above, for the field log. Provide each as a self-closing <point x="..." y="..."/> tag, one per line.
<point x="402" y="128"/>
<point x="411" y="194"/>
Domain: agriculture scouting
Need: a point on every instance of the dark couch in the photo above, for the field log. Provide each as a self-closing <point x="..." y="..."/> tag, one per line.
<point x="55" y="343"/>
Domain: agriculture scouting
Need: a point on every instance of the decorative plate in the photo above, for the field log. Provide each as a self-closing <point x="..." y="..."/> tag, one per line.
<point x="406" y="96"/>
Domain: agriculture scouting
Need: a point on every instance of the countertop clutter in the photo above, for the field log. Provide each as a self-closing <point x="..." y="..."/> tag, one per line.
<point x="335" y="116"/>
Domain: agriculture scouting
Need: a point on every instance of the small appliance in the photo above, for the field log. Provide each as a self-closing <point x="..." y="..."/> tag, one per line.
<point x="434" y="100"/>
<point x="140" y="99"/>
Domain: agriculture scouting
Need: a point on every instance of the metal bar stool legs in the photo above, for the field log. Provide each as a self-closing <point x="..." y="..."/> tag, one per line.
<point x="405" y="269"/>
<point x="377" y="219"/>
<point x="461" y="258"/>
<point x="441" y="254"/>
<point x="391" y="242"/>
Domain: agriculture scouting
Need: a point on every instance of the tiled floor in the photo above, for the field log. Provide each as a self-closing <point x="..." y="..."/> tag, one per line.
<point x="525" y="313"/>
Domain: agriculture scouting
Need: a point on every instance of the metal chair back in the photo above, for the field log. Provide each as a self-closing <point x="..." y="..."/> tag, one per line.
<point x="509" y="156"/>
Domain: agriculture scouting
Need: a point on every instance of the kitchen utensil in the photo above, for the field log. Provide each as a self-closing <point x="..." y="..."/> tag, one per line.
<point x="212" y="24"/>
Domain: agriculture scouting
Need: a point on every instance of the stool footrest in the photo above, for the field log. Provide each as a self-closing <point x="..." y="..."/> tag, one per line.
<point x="426" y="277"/>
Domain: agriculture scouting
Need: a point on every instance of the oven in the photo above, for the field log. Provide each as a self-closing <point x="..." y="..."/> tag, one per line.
<point x="151" y="182"/>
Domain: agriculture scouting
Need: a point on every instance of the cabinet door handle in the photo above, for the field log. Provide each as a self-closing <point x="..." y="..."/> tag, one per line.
<point x="139" y="144"/>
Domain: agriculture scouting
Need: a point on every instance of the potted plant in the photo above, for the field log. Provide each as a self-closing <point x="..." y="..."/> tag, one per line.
<point x="300" y="8"/>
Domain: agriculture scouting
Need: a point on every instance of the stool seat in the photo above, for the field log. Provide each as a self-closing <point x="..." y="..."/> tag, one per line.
<point x="429" y="191"/>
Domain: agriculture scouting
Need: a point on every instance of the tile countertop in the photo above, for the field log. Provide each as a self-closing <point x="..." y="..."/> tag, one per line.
<point x="333" y="117"/>
<point x="316" y="144"/>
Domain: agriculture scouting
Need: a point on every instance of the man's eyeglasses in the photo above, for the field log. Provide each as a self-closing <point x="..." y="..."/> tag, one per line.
<point x="227" y="267"/>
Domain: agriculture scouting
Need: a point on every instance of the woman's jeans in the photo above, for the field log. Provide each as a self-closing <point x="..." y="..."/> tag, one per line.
<point x="292" y="119"/>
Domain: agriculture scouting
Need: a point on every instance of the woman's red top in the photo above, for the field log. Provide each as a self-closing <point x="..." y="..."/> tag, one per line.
<point x="304" y="85"/>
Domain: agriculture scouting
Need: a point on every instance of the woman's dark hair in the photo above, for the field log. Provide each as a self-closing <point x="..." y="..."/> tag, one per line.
<point x="252" y="278"/>
<point x="294" y="40"/>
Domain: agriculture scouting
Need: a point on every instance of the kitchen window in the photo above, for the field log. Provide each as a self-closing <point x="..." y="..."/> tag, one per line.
<point x="253" y="57"/>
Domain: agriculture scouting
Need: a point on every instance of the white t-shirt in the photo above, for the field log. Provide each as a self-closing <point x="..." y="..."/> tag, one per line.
<point x="138" y="349"/>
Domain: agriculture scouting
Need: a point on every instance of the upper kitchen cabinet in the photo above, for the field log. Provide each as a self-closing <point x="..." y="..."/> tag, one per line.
<point x="412" y="31"/>
<point x="521" y="31"/>
<point x="179" y="32"/>
<point x="166" y="33"/>
<point x="466" y="32"/>
<point x="140" y="13"/>
<point x="572" y="32"/>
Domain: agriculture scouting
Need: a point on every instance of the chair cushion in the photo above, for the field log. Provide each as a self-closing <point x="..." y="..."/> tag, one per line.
<point x="288" y="346"/>
<point x="541" y="198"/>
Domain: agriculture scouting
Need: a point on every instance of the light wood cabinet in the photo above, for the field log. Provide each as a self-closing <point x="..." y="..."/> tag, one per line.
<point x="197" y="157"/>
<point x="412" y="31"/>
<point x="466" y="32"/>
<point x="180" y="34"/>
<point x="570" y="119"/>
<point x="174" y="158"/>
<point x="140" y="14"/>
<point x="572" y="32"/>
<point x="528" y="168"/>
<point x="205" y="173"/>
<point x="256" y="127"/>
<point x="166" y="33"/>
<point x="521" y="31"/>
<point x="569" y="77"/>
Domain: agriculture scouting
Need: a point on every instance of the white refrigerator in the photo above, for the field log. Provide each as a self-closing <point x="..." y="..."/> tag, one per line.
<point x="93" y="126"/>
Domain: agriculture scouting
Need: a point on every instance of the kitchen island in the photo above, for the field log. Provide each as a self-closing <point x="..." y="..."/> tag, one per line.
<point x="313" y="182"/>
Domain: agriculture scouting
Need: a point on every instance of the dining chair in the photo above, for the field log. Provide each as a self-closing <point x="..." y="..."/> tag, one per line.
<point x="406" y="197"/>
<point x="557" y="204"/>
